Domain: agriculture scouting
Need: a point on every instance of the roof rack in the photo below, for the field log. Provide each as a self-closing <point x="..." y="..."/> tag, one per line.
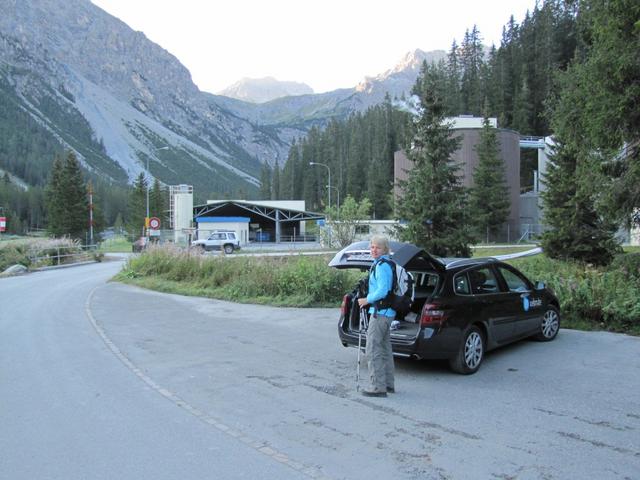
<point x="470" y="261"/>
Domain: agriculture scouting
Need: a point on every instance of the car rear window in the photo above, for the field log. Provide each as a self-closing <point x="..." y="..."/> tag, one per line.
<point x="479" y="281"/>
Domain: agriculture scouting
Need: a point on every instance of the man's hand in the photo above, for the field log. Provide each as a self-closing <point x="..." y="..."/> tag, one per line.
<point x="362" y="302"/>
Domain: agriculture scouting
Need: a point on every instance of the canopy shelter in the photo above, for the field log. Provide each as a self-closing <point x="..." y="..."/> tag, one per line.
<point x="268" y="221"/>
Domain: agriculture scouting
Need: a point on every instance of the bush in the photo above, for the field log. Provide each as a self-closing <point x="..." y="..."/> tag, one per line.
<point x="292" y="281"/>
<point x="628" y="264"/>
<point x="592" y="298"/>
<point x="39" y="252"/>
<point x="12" y="253"/>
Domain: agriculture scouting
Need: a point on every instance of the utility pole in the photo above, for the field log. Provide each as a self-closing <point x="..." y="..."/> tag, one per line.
<point x="90" y="190"/>
<point x="146" y="220"/>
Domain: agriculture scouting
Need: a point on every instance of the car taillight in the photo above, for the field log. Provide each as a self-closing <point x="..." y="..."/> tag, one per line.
<point x="344" y="306"/>
<point x="432" y="313"/>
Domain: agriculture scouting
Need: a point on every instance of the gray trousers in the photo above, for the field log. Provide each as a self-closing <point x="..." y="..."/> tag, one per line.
<point x="379" y="354"/>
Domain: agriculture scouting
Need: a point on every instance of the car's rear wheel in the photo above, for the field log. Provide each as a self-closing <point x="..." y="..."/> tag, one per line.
<point x="228" y="249"/>
<point x="470" y="353"/>
<point x="550" y="325"/>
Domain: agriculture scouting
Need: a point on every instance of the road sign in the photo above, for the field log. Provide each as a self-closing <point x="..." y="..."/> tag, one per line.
<point x="154" y="223"/>
<point x="3" y="224"/>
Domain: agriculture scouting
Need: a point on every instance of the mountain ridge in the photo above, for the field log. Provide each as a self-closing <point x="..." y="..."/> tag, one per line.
<point x="128" y="97"/>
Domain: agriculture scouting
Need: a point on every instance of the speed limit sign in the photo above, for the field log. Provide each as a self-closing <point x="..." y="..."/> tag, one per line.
<point x="154" y="223"/>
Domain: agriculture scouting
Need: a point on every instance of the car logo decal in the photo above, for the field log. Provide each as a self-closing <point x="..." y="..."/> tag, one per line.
<point x="536" y="302"/>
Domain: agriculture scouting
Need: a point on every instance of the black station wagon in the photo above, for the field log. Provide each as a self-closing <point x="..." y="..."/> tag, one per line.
<point x="462" y="309"/>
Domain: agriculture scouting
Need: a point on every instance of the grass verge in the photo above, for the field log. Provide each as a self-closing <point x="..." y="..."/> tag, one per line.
<point x="590" y="298"/>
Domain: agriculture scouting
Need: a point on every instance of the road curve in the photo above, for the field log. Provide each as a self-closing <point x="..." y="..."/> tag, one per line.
<point x="70" y="410"/>
<point x="103" y="377"/>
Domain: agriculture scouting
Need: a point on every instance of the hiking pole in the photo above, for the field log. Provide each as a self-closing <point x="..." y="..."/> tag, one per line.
<point x="363" y="326"/>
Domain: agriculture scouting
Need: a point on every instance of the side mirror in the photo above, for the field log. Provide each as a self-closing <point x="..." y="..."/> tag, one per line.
<point x="540" y="285"/>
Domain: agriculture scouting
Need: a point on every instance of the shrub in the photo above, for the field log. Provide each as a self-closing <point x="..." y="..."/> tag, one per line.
<point x="293" y="281"/>
<point x="596" y="298"/>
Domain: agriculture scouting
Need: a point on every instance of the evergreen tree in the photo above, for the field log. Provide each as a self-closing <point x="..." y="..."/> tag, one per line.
<point x="275" y="180"/>
<point x="472" y="64"/>
<point x="158" y="202"/>
<point x="67" y="204"/>
<point x="577" y="231"/>
<point x="137" y="209"/>
<point x="265" y="182"/>
<point x="54" y="192"/>
<point x="434" y="201"/>
<point x="118" y="225"/>
<point x="489" y="196"/>
<point x="600" y="95"/>
<point x="454" y="77"/>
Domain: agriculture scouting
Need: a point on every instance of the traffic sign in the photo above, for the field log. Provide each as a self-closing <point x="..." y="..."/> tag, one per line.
<point x="154" y="223"/>
<point x="3" y="224"/>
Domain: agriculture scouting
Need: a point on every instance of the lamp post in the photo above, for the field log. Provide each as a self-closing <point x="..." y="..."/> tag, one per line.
<point x="328" y="170"/>
<point x="146" y="221"/>
<point x="337" y="191"/>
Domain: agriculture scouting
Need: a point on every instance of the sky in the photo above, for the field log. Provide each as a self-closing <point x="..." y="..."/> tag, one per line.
<point x="326" y="44"/>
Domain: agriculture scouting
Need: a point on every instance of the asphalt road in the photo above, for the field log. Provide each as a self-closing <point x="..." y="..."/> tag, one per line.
<point x="103" y="380"/>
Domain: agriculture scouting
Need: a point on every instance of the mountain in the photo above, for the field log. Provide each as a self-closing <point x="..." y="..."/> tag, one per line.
<point x="115" y="97"/>
<point x="74" y="77"/>
<point x="260" y="90"/>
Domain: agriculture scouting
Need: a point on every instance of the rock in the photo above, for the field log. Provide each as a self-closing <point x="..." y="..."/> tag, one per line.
<point x="15" y="270"/>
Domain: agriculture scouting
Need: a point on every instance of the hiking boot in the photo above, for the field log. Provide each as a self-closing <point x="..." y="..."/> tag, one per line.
<point x="369" y="393"/>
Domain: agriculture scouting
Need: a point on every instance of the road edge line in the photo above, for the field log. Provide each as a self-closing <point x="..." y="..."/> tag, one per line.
<point x="256" y="444"/>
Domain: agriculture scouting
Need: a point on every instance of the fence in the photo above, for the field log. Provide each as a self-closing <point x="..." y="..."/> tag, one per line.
<point x="61" y="254"/>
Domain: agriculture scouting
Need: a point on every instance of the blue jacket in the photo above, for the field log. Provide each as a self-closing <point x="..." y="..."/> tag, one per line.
<point x="380" y="283"/>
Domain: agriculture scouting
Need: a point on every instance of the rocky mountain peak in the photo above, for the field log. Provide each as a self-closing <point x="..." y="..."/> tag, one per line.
<point x="261" y="90"/>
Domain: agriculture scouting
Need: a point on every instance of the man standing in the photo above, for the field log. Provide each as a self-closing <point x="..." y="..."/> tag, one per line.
<point x="378" y="348"/>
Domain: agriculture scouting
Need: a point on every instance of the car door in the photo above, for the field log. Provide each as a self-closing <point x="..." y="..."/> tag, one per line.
<point x="525" y="304"/>
<point x="490" y="303"/>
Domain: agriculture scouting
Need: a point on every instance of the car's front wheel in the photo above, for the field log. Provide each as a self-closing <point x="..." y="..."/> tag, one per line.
<point x="470" y="353"/>
<point x="550" y="325"/>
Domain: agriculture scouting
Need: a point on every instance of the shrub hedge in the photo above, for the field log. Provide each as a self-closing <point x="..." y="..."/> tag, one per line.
<point x="297" y="280"/>
<point x="590" y="298"/>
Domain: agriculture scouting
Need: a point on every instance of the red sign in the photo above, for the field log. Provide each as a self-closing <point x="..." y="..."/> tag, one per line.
<point x="3" y="224"/>
<point x="154" y="223"/>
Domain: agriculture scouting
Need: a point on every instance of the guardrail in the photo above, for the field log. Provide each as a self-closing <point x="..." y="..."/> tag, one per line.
<point x="59" y="255"/>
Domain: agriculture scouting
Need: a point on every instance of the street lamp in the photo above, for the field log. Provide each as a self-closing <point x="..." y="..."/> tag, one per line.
<point x="146" y="222"/>
<point x="328" y="170"/>
<point x="338" y="191"/>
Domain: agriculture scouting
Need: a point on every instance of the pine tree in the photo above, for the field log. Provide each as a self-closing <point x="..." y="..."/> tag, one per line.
<point x="275" y="187"/>
<point x="454" y="77"/>
<point x="54" y="205"/>
<point x="76" y="200"/>
<point x="489" y="196"/>
<point x="137" y="208"/>
<point x="67" y="204"/>
<point x="577" y="231"/>
<point x="265" y="182"/>
<point x="158" y="202"/>
<point x="434" y="201"/>
<point x="118" y="225"/>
